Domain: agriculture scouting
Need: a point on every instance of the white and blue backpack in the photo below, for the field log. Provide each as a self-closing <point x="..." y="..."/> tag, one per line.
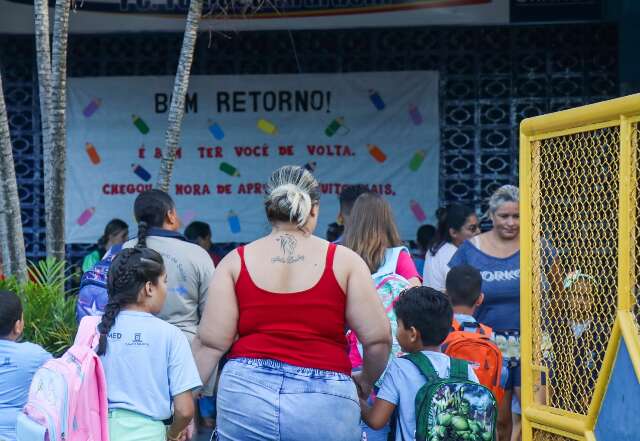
<point x="389" y="285"/>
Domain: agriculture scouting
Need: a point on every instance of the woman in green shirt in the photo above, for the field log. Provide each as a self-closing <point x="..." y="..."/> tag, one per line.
<point x="116" y="232"/>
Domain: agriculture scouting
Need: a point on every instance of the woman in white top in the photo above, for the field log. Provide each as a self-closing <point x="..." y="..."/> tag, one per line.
<point x="456" y="223"/>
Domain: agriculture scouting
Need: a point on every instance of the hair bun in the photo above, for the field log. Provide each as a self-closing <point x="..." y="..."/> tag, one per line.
<point x="295" y="200"/>
<point x="290" y="194"/>
<point x="441" y="214"/>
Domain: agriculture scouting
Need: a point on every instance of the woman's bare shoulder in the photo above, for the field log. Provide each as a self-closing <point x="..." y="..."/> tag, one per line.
<point x="346" y="255"/>
<point x="230" y="263"/>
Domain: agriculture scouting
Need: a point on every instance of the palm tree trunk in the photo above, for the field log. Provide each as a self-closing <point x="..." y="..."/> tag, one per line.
<point x="16" y="262"/>
<point x="176" y="111"/>
<point x="57" y="151"/>
<point x="43" y="57"/>
<point x="5" y="252"/>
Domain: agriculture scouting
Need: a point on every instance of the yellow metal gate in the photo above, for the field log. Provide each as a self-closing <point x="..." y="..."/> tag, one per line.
<point x="580" y="264"/>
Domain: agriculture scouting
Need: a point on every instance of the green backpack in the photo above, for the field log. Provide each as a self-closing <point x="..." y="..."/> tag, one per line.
<point x="452" y="409"/>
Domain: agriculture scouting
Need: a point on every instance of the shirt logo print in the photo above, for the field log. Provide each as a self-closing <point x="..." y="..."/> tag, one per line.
<point x="500" y="276"/>
<point x="137" y="340"/>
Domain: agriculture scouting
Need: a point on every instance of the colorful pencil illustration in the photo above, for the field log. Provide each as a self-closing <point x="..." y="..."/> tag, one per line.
<point x="229" y="169"/>
<point x="94" y="157"/>
<point x="92" y="107"/>
<point x="141" y="172"/>
<point x="376" y="152"/>
<point x="85" y="216"/>
<point x="140" y="124"/>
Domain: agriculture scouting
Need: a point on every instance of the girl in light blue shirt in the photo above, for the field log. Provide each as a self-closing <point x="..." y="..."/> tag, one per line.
<point x="148" y="363"/>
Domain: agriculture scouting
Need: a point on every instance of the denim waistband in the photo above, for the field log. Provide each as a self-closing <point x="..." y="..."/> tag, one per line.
<point x="287" y="368"/>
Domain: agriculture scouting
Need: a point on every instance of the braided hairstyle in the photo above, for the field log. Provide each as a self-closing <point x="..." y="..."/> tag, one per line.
<point x="143" y="232"/>
<point x="131" y="269"/>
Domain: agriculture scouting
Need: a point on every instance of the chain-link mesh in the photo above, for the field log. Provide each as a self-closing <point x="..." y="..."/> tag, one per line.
<point x="540" y="435"/>
<point x="575" y="260"/>
<point x="635" y="148"/>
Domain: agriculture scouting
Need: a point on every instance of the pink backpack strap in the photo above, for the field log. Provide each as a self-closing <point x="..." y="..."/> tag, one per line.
<point x="87" y="331"/>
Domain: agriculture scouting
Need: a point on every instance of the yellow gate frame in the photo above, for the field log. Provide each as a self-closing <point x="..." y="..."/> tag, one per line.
<point x="620" y="118"/>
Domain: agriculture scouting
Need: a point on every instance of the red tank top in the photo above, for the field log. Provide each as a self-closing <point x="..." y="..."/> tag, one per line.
<point x="304" y="328"/>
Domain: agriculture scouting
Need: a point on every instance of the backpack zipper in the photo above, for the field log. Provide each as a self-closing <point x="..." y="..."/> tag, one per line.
<point x="50" y="425"/>
<point x="65" y="404"/>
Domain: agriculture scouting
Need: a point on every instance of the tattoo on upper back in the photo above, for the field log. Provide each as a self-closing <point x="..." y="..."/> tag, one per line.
<point x="288" y="245"/>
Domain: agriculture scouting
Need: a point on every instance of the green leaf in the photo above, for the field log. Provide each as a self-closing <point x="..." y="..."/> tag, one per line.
<point x="49" y="313"/>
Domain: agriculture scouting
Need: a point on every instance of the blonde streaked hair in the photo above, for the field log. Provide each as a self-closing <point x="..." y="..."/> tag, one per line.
<point x="290" y="194"/>
<point x="503" y="195"/>
<point x="371" y="229"/>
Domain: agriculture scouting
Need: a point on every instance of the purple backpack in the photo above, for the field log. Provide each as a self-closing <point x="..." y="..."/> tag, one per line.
<point x="92" y="297"/>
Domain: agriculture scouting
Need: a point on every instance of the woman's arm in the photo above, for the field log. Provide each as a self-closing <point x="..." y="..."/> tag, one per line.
<point x="219" y="323"/>
<point x="183" y="410"/>
<point x="366" y="317"/>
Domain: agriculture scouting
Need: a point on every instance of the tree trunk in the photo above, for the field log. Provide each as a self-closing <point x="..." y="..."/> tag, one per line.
<point x="12" y="218"/>
<point x="57" y="151"/>
<point x="43" y="57"/>
<point x="176" y="111"/>
<point x="5" y="252"/>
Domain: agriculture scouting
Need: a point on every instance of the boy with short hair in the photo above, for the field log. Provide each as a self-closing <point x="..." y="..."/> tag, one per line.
<point x="18" y="363"/>
<point x="424" y="319"/>
<point x="464" y="288"/>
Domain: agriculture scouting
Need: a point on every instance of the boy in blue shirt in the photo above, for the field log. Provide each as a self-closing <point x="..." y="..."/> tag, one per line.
<point x="18" y="363"/>
<point x="464" y="288"/>
<point x="424" y="319"/>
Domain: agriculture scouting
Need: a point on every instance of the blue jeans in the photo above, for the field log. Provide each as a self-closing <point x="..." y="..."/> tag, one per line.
<point x="207" y="406"/>
<point x="267" y="400"/>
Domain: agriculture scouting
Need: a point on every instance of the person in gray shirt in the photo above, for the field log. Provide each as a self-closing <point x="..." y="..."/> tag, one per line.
<point x="189" y="267"/>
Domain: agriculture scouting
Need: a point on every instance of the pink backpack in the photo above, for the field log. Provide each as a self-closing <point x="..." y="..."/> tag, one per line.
<point x="68" y="395"/>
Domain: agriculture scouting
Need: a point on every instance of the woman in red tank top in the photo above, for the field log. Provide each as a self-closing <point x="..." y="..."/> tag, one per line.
<point x="280" y="306"/>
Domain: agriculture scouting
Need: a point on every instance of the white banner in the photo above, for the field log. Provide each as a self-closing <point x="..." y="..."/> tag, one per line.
<point x="379" y="129"/>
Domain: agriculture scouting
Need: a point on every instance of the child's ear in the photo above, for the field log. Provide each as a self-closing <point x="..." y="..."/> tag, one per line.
<point x="414" y="334"/>
<point x="480" y="299"/>
<point x="148" y="289"/>
<point x="18" y="328"/>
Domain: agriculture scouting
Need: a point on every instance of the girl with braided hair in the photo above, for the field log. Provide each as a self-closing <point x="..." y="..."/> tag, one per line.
<point x="133" y="340"/>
